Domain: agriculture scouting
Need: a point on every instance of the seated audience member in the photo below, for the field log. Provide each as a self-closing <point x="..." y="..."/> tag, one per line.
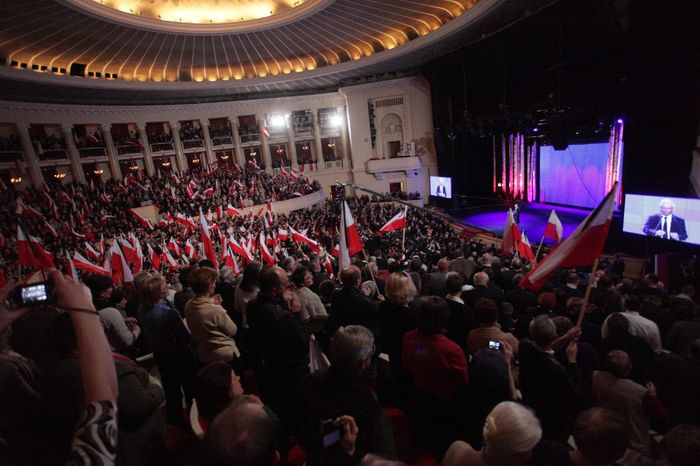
<point x="212" y="329"/>
<point x="216" y="386"/>
<point x="313" y="314"/>
<point x="681" y="446"/>
<point x="168" y="337"/>
<point x="511" y="433"/>
<point x="341" y="390"/>
<point x="638" y="325"/>
<point x="461" y="319"/>
<point x="486" y="311"/>
<point x="439" y="370"/>
<point x="279" y="338"/>
<point x="619" y="338"/>
<point x="119" y="335"/>
<point x="552" y="389"/>
<point x="677" y="380"/>
<point x="636" y="403"/>
<point x="396" y="317"/>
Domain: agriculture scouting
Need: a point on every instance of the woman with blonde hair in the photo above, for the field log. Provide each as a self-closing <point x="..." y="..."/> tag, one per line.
<point x="168" y="337"/>
<point x="396" y="317"/>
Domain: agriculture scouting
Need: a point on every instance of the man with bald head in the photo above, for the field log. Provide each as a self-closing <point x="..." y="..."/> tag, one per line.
<point x="351" y="306"/>
<point x="482" y="289"/>
<point x="280" y="341"/>
<point x="666" y="225"/>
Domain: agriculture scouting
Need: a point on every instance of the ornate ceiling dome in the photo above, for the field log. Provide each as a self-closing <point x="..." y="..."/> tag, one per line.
<point x="230" y="46"/>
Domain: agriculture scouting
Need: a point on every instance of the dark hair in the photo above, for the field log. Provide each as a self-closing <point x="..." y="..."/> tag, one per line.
<point x="298" y="276"/>
<point x="98" y="284"/>
<point x="212" y="389"/>
<point x="201" y="279"/>
<point x="61" y="335"/>
<point x="116" y="297"/>
<point x="454" y="282"/>
<point x="250" y="276"/>
<point x="433" y="314"/>
<point x="601" y="435"/>
<point x="350" y="275"/>
<point x="206" y="263"/>
<point x="618" y="324"/>
<point x="239" y="436"/>
<point x="486" y="311"/>
<point x="547" y="300"/>
<point x="325" y="289"/>
<point x="184" y="276"/>
<point x="268" y="280"/>
<point x="681" y="445"/>
<point x="632" y="303"/>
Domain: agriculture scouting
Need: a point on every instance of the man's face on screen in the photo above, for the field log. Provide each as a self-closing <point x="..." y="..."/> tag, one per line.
<point x="666" y="208"/>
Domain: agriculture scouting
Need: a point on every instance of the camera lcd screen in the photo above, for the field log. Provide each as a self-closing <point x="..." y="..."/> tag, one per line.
<point x="34" y="294"/>
<point x="331" y="438"/>
<point x="494" y="345"/>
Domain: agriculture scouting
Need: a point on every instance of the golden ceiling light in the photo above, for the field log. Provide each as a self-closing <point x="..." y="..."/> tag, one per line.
<point x="57" y="175"/>
<point x="98" y="171"/>
<point x="15" y="179"/>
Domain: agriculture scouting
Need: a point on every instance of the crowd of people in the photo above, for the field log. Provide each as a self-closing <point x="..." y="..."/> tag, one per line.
<point x="10" y="143"/>
<point x="294" y="355"/>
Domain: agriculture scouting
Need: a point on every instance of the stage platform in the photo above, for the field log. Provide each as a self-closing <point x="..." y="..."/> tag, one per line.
<point x="533" y="218"/>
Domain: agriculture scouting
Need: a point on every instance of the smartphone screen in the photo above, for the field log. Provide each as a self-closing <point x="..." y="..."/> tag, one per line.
<point x="331" y="438"/>
<point x="33" y="294"/>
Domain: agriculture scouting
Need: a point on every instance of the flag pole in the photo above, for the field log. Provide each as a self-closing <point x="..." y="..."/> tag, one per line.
<point x="368" y="267"/>
<point x="587" y="295"/>
<point x="537" y="254"/>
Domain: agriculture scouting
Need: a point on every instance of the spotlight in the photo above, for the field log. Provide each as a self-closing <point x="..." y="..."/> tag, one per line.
<point x="535" y="130"/>
<point x="277" y="121"/>
<point x="619" y="121"/>
<point x="335" y="121"/>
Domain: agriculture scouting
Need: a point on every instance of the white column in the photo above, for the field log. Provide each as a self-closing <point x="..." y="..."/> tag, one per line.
<point x="73" y="154"/>
<point x="344" y="145"/>
<point x="34" y="170"/>
<point x="114" y="167"/>
<point x="240" y="159"/>
<point x="208" y="145"/>
<point x="317" y="139"/>
<point x="147" y="157"/>
<point x="291" y="144"/>
<point x="267" y="158"/>
<point x="177" y="145"/>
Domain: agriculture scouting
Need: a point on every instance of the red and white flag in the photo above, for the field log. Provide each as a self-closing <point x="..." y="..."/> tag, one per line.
<point x="265" y="253"/>
<point x="509" y="236"/>
<point x="219" y="212"/>
<point x="397" y="222"/>
<point x="144" y="222"/>
<point x="282" y="234"/>
<point x="155" y="258"/>
<point x="121" y="273"/>
<point x="206" y="240"/>
<point x="94" y="255"/>
<point x="230" y="261"/>
<point x="301" y="238"/>
<point x="265" y="132"/>
<point x="70" y="266"/>
<point x="580" y="249"/>
<point x="190" y="250"/>
<point x="128" y="250"/>
<point x="81" y="263"/>
<point x="208" y="192"/>
<point x="31" y="252"/>
<point x="554" y="229"/>
<point x="525" y="249"/>
<point x="240" y="250"/>
<point x="172" y="263"/>
<point x="328" y="265"/>
<point x="174" y="247"/>
<point x="23" y="210"/>
<point x="232" y="210"/>
<point x="186" y="221"/>
<point x="52" y="206"/>
<point x="352" y="235"/>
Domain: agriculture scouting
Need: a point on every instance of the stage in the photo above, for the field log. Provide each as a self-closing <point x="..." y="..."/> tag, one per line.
<point x="533" y="219"/>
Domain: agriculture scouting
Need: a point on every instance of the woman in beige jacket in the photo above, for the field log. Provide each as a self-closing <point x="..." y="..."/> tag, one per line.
<point x="212" y="329"/>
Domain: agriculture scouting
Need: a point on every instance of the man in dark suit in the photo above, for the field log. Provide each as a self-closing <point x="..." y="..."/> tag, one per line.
<point x="351" y="306"/>
<point x="666" y="225"/>
<point x="441" y="189"/>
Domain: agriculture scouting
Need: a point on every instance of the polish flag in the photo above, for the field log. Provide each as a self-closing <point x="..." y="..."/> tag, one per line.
<point x="52" y="206"/>
<point x="508" y="243"/>
<point x="155" y="258"/>
<point x="31" y="252"/>
<point x="240" y="250"/>
<point x="70" y="267"/>
<point x="172" y="263"/>
<point x="138" y="264"/>
<point x="121" y="273"/>
<point x="336" y="251"/>
<point x="260" y="212"/>
<point x="186" y="221"/>
<point x="301" y="238"/>
<point x="293" y="174"/>
<point x="268" y="204"/>
<point x="51" y="229"/>
<point x="81" y="263"/>
<point x="282" y="235"/>
<point x="206" y="240"/>
<point x="144" y="223"/>
<point x="580" y="249"/>
<point x="554" y="229"/>
<point x="209" y="192"/>
<point x="190" y="250"/>
<point x="128" y="250"/>
<point x="283" y="172"/>
<point x="525" y="249"/>
<point x="230" y="261"/>
<point x="328" y="265"/>
<point x="397" y="222"/>
<point x="174" y="247"/>
<point x="265" y="132"/>
<point x="94" y="255"/>
<point x="219" y="212"/>
<point x="352" y="235"/>
<point x="232" y="210"/>
<point x="24" y="210"/>
<point x="264" y="252"/>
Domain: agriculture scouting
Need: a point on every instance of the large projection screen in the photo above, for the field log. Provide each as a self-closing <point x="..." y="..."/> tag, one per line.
<point x="574" y="176"/>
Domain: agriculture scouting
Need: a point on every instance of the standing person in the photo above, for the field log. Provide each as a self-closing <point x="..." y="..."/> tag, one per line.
<point x="167" y="335"/>
<point x="212" y="329"/>
<point x="313" y="314"/>
<point x="279" y="338"/>
<point x="665" y="225"/>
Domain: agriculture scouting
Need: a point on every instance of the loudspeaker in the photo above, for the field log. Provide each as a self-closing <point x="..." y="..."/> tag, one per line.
<point x="77" y="69"/>
<point x="557" y="133"/>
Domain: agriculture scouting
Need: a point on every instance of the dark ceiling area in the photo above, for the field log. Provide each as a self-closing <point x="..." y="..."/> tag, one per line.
<point x="587" y="62"/>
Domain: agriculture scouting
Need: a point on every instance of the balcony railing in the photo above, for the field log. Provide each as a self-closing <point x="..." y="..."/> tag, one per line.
<point x="128" y="149"/>
<point x="193" y="143"/>
<point x="222" y="141"/>
<point x="92" y="152"/>
<point x="162" y="147"/>
<point x="334" y="164"/>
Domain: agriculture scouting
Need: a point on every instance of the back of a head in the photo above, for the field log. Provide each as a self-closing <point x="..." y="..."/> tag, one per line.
<point x="201" y="280"/>
<point x="481" y="279"/>
<point x="573" y="306"/>
<point x="681" y="446"/>
<point x="298" y="277"/>
<point x="325" y="289"/>
<point x="486" y="311"/>
<point x="151" y="291"/>
<point x="250" y="276"/>
<point x="563" y="325"/>
<point x="543" y="331"/>
<point x="633" y="303"/>
<point x="269" y="280"/>
<point x="184" y="276"/>
<point x="350" y="276"/>
<point x="511" y="431"/>
<point x="443" y="265"/>
<point x="242" y="435"/>
<point x="618" y="324"/>
<point x="547" y="300"/>
<point x="212" y="389"/>
<point x="350" y="346"/>
<point x="399" y="289"/>
<point x="601" y="435"/>
<point x="433" y="314"/>
<point x="454" y="282"/>
<point x="618" y="363"/>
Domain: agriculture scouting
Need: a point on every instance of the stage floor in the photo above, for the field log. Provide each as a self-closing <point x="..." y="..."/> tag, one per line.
<point x="533" y="219"/>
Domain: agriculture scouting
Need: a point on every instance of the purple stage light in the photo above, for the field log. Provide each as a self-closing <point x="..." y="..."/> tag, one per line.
<point x="536" y="130"/>
<point x="619" y="121"/>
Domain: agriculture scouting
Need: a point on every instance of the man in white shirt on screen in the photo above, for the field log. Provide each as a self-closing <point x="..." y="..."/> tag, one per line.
<point x="666" y="225"/>
<point x="441" y="189"/>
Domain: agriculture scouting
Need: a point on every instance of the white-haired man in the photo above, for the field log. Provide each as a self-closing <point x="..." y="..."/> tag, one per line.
<point x="664" y="224"/>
